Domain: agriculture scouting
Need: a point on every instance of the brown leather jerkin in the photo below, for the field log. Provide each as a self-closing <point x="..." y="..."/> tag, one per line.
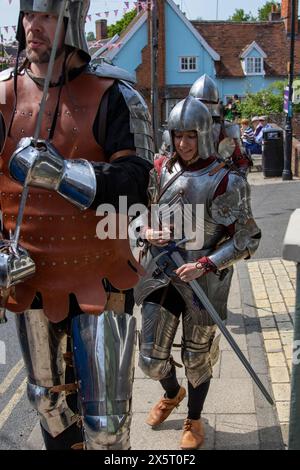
<point x="59" y="237"/>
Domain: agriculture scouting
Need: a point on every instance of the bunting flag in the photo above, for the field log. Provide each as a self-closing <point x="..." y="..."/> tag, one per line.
<point x="141" y="4"/>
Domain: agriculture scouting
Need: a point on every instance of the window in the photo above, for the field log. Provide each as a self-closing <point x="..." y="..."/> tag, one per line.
<point x="254" y="66"/>
<point x="170" y="103"/>
<point x="188" y="64"/>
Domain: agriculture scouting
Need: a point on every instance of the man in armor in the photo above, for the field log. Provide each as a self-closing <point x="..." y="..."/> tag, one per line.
<point x="191" y="178"/>
<point x="94" y="140"/>
<point x="227" y="136"/>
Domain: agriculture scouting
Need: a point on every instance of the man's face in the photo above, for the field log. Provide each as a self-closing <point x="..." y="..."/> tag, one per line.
<point x="39" y="32"/>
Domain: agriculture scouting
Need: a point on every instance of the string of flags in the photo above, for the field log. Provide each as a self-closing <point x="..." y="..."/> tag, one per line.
<point x="142" y="4"/>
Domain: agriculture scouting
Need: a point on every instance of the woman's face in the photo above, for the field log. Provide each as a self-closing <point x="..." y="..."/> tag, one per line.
<point x="186" y="144"/>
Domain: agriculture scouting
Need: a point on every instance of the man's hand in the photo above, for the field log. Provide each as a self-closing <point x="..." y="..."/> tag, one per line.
<point x="158" y="237"/>
<point x="188" y="272"/>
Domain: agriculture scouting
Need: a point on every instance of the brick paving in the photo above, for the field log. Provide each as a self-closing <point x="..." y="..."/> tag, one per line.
<point x="273" y="284"/>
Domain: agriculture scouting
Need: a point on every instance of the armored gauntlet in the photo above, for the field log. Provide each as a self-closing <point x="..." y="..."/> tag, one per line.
<point x="37" y="163"/>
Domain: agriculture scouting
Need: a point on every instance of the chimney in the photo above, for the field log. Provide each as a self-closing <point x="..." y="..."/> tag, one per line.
<point x="286" y="15"/>
<point x="275" y="14"/>
<point x="101" y="29"/>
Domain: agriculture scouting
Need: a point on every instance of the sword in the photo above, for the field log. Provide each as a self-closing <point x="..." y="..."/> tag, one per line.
<point x="173" y="253"/>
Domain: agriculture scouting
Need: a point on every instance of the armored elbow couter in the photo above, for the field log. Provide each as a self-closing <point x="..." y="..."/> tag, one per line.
<point x="38" y="164"/>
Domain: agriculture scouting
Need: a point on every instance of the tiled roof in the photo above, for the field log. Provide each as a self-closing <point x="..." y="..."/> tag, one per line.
<point x="230" y="39"/>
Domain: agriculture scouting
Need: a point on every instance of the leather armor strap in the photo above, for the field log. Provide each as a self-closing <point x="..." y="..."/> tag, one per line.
<point x="217" y="168"/>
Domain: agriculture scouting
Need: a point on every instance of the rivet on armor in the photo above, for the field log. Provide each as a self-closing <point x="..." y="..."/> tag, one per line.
<point x="43" y="263"/>
<point x="62" y="218"/>
<point x="76" y="148"/>
<point x="73" y="217"/>
<point x="54" y="263"/>
<point x="75" y="261"/>
<point x="40" y="196"/>
<point x="84" y="237"/>
<point x="31" y="238"/>
<point x="97" y="257"/>
<point x="65" y="262"/>
<point x="50" y="195"/>
<point x="73" y="238"/>
<point x="40" y="217"/>
<point x="30" y="113"/>
<point x="30" y="217"/>
<point x="41" y="238"/>
<point x="22" y="131"/>
<point x="62" y="238"/>
<point x="52" y="238"/>
<point x="75" y="129"/>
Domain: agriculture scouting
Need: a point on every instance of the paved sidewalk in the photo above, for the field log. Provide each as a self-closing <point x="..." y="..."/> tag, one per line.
<point x="236" y="415"/>
<point x="273" y="284"/>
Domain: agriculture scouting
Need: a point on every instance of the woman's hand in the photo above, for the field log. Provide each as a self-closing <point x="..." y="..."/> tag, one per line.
<point x="188" y="272"/>
<point x="157" y="237"/>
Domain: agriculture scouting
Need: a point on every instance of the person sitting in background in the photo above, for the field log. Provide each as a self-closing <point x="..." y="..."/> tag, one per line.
<point x="262" y="126"/>
<point x="257" y="129"/>
<point x="247" y="135"/>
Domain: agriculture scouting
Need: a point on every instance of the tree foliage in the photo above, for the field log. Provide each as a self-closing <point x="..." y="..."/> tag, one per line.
<point x="90" y="36"/>
<point x="122" y="24"/>
<point x="265" y="10"/>
<point x="267" y="101"/>
<point x="240" y="15"/>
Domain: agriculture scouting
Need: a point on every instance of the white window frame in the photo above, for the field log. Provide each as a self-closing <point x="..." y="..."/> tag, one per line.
<point x="257" y="67"/>
<point x="170" y="103"/>
<point x="189" y="59"/>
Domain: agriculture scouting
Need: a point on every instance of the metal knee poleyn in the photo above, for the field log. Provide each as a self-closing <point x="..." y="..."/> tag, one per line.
<point x="197" y="353"/>
<point x="159" y="328"/>
<point x="103" y="348"/>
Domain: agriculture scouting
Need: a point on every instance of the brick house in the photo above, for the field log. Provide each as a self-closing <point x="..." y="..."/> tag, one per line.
<point x="241" y="57"/>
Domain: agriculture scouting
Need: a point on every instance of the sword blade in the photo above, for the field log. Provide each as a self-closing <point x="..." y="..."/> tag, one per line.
<point x="197" y="289"/>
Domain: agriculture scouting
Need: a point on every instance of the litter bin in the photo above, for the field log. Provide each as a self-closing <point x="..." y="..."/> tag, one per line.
<point x="272" y="152"/>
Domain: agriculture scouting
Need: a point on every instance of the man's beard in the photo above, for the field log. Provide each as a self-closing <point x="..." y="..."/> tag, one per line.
<point x="44" y="57"/>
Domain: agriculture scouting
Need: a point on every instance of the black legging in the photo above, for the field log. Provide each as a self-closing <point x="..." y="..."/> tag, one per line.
<point x="172" y="301"/>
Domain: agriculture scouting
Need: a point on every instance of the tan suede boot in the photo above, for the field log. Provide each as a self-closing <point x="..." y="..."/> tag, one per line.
<point x="164" y="408"/>
<point x="193" y="434"/>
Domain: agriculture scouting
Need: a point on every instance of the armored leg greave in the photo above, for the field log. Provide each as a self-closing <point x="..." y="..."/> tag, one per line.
<point x="43" y="344"/>
<point x="199" y="350"/>
<point x="159" y="328"/>
<point x="103" y="348"/>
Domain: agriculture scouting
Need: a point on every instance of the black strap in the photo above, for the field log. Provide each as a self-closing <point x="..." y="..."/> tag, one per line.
<point x="102" y="118"/>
